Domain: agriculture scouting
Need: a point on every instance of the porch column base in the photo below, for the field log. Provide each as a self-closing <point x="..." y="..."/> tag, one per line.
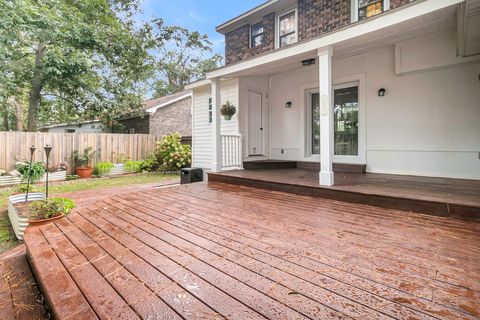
<point x="216" y="167"/>
<point x="326" y="178"/>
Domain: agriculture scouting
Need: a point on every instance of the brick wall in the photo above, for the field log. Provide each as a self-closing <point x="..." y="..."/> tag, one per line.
<point x="315" y="18"/>
<point x="237" y="42"/>
<point x="139" y="125"/>
<point x="175" y="118"/>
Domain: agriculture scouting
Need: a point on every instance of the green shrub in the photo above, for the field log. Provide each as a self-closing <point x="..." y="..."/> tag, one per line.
<point x="171" y="154"/>
<point x="149" y="164"/>
<point x="23" y="187"/>
<point x="132" y="166"/>
<point x="51" y="207"/>
<point x="103" y="168"/>
<point x="37" y="170"/>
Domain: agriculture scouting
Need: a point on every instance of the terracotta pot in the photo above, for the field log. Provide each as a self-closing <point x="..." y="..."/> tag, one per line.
<point x="44" y="221"/>
<point x="84" y="172"/>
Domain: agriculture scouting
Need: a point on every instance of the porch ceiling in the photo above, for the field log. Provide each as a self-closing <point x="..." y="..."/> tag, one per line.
<point x="441" y="20"/>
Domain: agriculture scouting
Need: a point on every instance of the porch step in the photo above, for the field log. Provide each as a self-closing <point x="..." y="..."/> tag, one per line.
<point x="282" y="164"/>
<point x="269" y="164"/>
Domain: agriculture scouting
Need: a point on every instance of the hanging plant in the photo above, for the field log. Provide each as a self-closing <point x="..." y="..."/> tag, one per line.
<point x="227" y="110"/>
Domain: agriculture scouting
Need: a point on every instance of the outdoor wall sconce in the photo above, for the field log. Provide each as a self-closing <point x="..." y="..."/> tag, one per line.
<point x="308" y="62"/>
<point x="381" y="92"/>
<point x="47" y="149"/>
<point x="288" y="105"/>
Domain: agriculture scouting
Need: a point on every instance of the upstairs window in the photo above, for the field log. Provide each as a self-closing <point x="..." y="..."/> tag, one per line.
<point x="363" y="9"/>
<point x="210" y="111"/>
<point x="287" y="28"/>
<point x="257" y="34"/>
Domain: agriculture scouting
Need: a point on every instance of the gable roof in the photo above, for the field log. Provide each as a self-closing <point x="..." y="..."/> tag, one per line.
<point x="151" y="106"/>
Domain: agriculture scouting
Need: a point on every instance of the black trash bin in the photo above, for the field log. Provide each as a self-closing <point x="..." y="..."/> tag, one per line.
<point x="191" y="175"/>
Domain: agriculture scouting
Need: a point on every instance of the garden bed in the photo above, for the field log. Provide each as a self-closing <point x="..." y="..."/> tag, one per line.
<point x="16" y="213"/>
<point x="54" y="176"/>
<point x="9" y="181"/>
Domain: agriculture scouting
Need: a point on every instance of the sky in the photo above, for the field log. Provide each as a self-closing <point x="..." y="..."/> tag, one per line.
<point x="199" y="15"/>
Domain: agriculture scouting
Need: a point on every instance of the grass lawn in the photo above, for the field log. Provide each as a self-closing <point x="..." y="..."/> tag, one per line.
<point x="7" y="238"/>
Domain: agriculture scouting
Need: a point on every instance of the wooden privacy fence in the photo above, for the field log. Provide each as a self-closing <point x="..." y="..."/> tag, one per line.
<point x="15" y="146"/>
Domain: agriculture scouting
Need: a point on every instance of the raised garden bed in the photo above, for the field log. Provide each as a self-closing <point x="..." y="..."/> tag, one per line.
<point x="19" y="221"/>
<point x="118" y="169"/>
<point x="54" y="176"/>
<point x="9" y="181"/>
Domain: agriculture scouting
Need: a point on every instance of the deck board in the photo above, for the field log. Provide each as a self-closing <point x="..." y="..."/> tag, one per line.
<point x="226" y="251"/>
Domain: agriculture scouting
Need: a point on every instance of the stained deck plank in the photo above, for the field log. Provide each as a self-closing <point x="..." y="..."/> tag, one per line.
<point x="235" y="252"/>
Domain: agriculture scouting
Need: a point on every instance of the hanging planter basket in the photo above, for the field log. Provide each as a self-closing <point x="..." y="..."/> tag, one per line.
<point x="228" y="110"/>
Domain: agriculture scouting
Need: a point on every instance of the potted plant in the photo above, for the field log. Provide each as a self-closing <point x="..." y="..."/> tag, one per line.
<point x="37" y="211"/>
<point x="56" y="172"/>
<point x="227" y="110"/>
<point x="82" y="161"/>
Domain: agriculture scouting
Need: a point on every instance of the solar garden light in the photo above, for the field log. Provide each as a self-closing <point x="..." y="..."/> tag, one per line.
<point x="48" y="149"/>
<point x="32" y="152"/>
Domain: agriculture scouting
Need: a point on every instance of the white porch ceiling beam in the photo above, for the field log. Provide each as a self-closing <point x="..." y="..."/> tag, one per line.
<point x="387" y="19"/>
<point x="326" y="116"/>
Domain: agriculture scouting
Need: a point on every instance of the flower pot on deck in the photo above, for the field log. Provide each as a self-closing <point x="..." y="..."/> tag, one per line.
<point x="18" y="222"/>
<point x="84" y="172"/>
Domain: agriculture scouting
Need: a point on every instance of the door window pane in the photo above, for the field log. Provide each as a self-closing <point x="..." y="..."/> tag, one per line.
<point x="315" y="105"/>
<point x="346" y="121"/>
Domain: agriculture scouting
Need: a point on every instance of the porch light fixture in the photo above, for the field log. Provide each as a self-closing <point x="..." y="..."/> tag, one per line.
<point x="308" y="62"/>
<point x="381" y="92"/>
<point x="288" y="104"/>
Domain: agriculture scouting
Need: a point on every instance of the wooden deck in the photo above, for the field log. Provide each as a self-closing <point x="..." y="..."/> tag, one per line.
<point x="221" y="251"/>
<point x="437" y="196"/>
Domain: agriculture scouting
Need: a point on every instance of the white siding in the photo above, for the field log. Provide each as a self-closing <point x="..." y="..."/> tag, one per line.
<point x="427" y="124"/>
<point x="202" y="130"/>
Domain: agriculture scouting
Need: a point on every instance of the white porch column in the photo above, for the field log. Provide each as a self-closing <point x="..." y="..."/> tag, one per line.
<point x="326" y="116"/>
<point x="216" y="122"/>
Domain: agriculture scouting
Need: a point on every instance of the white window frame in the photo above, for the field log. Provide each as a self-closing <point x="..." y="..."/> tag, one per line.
<point x="210" y="110"/>
<point x="354" y="9"/>
<point x="338" y="83"/>
<point x="250" y="34"/>
<point x="277" y="25"/>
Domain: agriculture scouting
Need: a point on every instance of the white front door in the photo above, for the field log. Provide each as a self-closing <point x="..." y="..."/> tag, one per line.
<point x="255" y="124"/>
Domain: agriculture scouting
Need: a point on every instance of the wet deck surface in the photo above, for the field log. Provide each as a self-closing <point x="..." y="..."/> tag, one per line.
<point x="223" y="251"/>
<point x="437" y="196"/>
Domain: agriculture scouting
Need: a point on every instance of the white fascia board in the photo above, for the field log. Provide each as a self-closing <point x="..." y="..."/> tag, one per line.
<point x="198" y="84"/>
<point x="152" y="110"/>
<point x="384" y="20"/>
<point x="221" y="27"/>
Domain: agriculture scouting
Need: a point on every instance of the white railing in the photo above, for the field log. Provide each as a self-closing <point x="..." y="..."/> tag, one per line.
<point x="232" y="151"/>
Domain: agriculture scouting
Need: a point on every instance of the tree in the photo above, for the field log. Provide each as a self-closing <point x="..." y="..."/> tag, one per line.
<point x="183" y="62"/>
<point x="86" y="58"/>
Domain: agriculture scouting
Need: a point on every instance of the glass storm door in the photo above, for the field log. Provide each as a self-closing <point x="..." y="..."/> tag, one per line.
<point x="345" y="120"/>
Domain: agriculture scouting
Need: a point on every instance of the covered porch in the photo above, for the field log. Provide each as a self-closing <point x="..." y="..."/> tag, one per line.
<point x="410" y="111"/>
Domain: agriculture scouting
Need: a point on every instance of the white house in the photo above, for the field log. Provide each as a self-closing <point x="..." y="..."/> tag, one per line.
<point x="392" y="84"/>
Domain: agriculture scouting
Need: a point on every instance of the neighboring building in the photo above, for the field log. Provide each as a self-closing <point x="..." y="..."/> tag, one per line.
<point x="84" y="127"/>
<point x="393" y="85"/>
<point x="166" y="115"/>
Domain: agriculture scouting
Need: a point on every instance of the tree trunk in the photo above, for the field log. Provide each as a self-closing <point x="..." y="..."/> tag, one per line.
<point x="5" y="119"/>
<point x="37" y="86"/>
<point x="18" y="115"/>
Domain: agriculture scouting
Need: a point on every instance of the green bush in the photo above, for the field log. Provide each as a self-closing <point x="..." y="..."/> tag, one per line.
<point x="171" y="154"/>
<point x="103" y="168"/>
<point x="132" y="166"/>
<point x="23" y="187"/>
<point x="37" y="171"/>
<point x="149" y="164"/>
<point x="51" y="207"/>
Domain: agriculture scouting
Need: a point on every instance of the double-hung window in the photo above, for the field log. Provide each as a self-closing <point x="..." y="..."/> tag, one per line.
<point x="363" y="9"/>
<point x="257" y="33"/>
<point x="287" y="28"/>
